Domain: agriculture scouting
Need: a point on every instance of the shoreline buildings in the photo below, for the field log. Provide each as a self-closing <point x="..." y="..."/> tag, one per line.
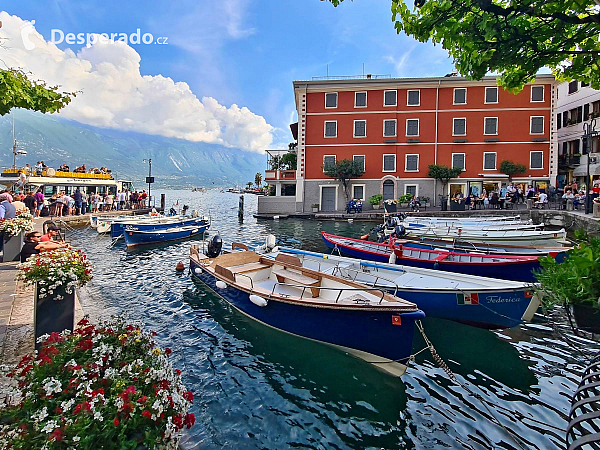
<point x="397" y="127"/>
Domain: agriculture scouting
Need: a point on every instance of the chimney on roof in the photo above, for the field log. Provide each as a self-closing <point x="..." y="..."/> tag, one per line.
<point x="369" y="76"/>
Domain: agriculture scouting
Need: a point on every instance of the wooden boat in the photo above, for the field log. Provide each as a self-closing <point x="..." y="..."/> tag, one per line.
<point x="508" y="267"/>
<point x="467" y="226"/>
<point x="158" y="223"/>
<point x="134" y="238"/>
<point x="366" y="322"/>
<point x="480" y="301"/>
<point x="477" y="219"/>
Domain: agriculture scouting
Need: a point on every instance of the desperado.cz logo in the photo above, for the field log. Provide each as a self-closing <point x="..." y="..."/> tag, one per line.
<point x="58" y="36"/>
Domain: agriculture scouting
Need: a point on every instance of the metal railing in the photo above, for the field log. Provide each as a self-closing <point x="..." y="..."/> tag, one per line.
<point x="305" y="287"/>
<point x="352" y="77"/>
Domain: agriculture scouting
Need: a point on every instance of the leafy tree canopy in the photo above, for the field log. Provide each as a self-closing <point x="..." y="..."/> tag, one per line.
<point x="18" y="91"/>
<point x="344" y="171"/>
<point x="443" y="173"/>
<point x="510" y="168"/>
<point x="513" y="38"/>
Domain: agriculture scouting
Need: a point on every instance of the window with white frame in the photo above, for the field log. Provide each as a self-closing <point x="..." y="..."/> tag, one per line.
<point x="360" y="128"/>
<point x="490" y="125"/>
<point x="412" y="127"/>
<point x="459" y="126"/>
<point x="360" y="99"/>
<point x="537" y="125"/>
<point x="489" y="161"/>
<point x="412" y="163"/>
<point x="412" y="189"/>
<point x="389" y="127"/>
<point x="390" y="98"/>
<point x="328" y="161"/>
<point x="491" y="95"/>
<point x="331" y="100"/>
<point x="536" y="160"/>
<point x="460" y="96"/>
<point x="389" y="163"/>
<point x="413" y="98"/>
<point x="358" y="191"/>
<point x="458" y="160"/>
<point x="331" y="128"/>
<point x="359" y="159"/>
<point x="537" y="93"/>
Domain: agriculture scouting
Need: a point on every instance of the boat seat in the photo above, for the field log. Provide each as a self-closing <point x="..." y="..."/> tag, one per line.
<point x="284" y="274"/>
<point x="250" y="267"/>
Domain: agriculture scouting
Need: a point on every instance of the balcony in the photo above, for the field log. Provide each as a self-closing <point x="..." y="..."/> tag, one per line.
<point x="568" y="161"/>
<point x="273" y="175"/>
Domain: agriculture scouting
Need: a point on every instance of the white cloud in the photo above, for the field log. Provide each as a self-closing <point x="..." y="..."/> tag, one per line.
<point x="114" y="94"/>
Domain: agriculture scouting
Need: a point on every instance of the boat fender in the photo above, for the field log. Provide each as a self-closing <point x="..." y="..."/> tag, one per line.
<point x="258" y="301"/>
<point x="392" y="259"/>
<point x="179" y="267"/>
<point x="197" y="270"/>
<point x="214" y="246"/>
<point x="365" y="237"/>
<point x="436" y="265"/>
<point x="221" y="284"/>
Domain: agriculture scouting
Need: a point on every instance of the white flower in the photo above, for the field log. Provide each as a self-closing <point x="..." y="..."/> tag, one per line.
<point x="41" y="415"/>
<point x="52" y="385"/>
<point x="98" y="416"/>
<point x="76" y="438"/>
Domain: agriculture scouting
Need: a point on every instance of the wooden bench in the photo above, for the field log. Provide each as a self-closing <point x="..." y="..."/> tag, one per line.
<point x="250" y="267"/>
<point x="284" y="274"/>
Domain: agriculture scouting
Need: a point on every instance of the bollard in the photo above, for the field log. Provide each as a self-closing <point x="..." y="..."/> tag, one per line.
<point x="596" y="211"/>
<point x="529" y="203"/>
<point x="163" y="202"/>
<point x="569" y="204"/>
<point x="241" y="208"/>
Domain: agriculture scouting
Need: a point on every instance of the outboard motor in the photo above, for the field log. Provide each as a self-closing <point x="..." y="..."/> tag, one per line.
<point x="184" y="209"/>
<point x="399" y="231"/>
<point x="214" y="246"/>
<point x="172" y="212"/>
<point x="194" y="213"/>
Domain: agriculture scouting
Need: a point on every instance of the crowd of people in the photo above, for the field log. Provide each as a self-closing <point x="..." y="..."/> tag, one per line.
<point x="40" y="167"/>
<point x="63" y="204"/>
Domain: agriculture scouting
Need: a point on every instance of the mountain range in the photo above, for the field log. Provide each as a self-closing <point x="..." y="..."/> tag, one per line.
<point x="176" y="163"/>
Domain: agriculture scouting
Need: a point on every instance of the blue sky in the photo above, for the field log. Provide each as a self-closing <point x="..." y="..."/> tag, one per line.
<point x="248" y="52"/>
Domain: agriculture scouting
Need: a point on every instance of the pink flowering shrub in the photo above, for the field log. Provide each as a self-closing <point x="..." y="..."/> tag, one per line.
<point x="105" y="386"/>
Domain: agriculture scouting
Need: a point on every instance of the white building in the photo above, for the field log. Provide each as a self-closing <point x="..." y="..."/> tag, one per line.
<point x="577" y="105"/>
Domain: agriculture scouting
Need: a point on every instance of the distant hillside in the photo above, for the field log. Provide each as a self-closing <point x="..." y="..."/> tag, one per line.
<point x="175" y="162"/>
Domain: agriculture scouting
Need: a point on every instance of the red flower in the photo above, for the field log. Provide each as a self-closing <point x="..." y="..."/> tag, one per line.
<point x="85" y="406"/>
<point x="116" y="422"/>
<point x="131" y="390"/>
<point x="142" y="399"/>
<point x="83" y="322"/>
<point x="147" y="414"/>
<point x="56" y="435"/>
<point x="189" y="396"/>
<point x="190" y="420"/>
<point x="85" y="344"/>
<point x="168" y="351"/>
<point x="178" y="372"/>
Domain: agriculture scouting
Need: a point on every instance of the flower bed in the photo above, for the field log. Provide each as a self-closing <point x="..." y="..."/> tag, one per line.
<point x="62" y="267"/>
<point x="105" y="386"/>
<point x="12" y="227"/>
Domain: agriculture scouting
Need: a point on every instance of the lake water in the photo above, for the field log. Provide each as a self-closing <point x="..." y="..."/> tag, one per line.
<point x="256" y="387"/>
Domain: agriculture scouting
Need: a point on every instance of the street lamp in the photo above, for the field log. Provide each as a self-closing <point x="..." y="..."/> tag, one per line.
<point x="149" y="179"/>
<point x="589" y="131"/>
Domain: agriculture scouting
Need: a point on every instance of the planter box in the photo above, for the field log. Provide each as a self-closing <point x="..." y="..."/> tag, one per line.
<point x="390" y="208"/>
<point x="587" y="318"/>
<point x="457" y="206"/>
<point x="376" y="206"/>
<point x="12" y="247"/>
<point x="315" y="210"/>
<point x="53" y="314"/>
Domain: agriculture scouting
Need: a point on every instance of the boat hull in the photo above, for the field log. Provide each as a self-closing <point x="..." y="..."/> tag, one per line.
<point x="117" y="228"/>
<point x="514" y="270"/>
<point x="379" y="337"/>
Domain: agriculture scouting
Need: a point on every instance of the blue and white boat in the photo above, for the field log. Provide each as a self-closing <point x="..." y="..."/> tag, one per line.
<point x="135" y="237"/>
<point x="366" y="322"/>
<point x="479" y="301"/>
<point x="157" y="223"/>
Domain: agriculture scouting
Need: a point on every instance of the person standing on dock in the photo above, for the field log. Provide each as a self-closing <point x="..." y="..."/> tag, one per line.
<point x="7" y="210"/>
<point x="39" y="201"/>
<point x="30" y="203"/>
<point x="78" y="201"/>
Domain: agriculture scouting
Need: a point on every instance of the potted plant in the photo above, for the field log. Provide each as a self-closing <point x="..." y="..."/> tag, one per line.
<point x="12" y="231"/>
<point x="375" y="200"/>
<point x="55" y="275"/>
<point x="575" y="282"/>
<point x="405" y="199"/>
<point x="315" y="208"/>
<point x="107" y="384"/>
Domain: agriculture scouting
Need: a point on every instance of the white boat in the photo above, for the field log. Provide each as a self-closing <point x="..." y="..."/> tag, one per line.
<point x="490" y="302"/>
<point x="487" y="226"/>
<point x="537" y="237"/>
<point x="462" y="219"/>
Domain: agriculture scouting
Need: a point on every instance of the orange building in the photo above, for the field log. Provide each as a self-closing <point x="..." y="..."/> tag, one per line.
<point x="398" y="127"/>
